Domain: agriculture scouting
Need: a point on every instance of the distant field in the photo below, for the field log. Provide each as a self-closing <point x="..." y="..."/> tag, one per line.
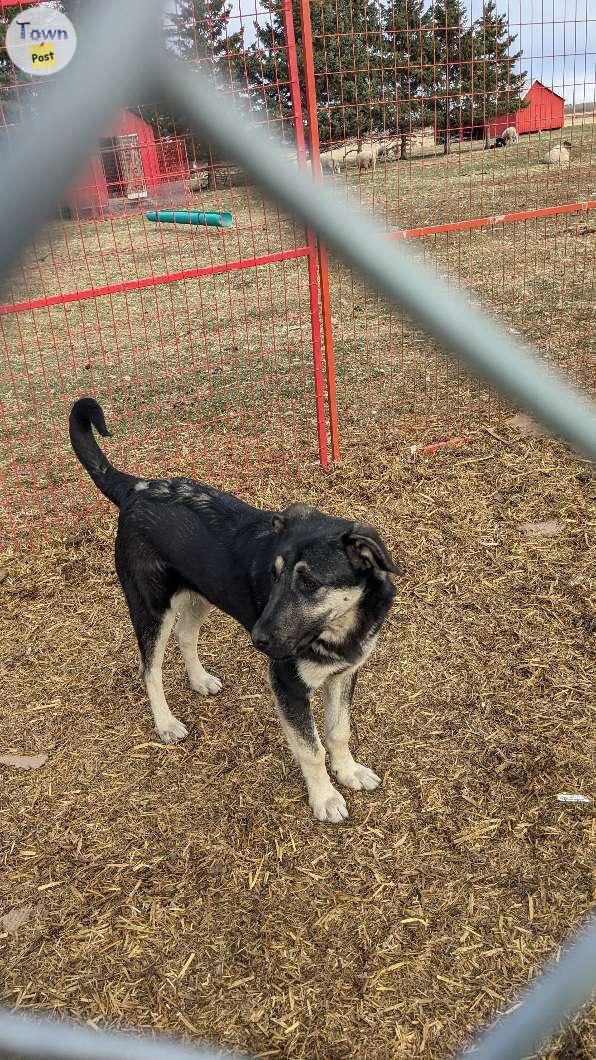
<point x="585" y="118"/>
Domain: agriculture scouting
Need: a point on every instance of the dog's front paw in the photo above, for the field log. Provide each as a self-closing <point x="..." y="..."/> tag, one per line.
<point x="357" y="777"/>
<point x="207" y="685"/>
<point x="330" y="807"/>
<point x="172" y="730"/>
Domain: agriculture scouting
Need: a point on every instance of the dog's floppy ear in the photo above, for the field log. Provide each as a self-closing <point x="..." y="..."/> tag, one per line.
<point x="366" y="551"/>
<point x="292" y="514"/>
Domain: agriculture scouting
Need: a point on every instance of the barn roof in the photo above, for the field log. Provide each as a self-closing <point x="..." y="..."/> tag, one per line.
<point x="542" y="85"/>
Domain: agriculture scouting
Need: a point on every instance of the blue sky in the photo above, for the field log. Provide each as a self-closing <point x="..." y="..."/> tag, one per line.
<point x="558" y="39"/>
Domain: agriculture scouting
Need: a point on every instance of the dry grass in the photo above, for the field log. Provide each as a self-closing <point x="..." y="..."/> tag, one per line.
<point x="430" y="188"/>
<point x="187" y="888"/>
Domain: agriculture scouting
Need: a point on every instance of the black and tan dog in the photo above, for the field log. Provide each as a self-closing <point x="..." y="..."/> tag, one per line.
<point x="312" y="591"/>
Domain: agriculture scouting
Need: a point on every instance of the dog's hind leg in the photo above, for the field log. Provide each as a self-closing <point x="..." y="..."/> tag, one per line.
<point x="152" y="614"/>
<point x="193" y="612"/>
<point x="153" y="636"/>
<point x="337" y="697"/>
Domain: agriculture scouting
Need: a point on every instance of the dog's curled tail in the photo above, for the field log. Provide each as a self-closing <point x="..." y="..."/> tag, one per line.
<point x="85" y="414"/>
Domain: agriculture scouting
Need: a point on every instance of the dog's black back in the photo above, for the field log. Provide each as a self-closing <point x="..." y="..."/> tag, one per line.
<point x="211" y="542"/>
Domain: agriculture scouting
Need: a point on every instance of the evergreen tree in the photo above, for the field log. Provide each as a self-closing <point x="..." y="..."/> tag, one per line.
<point x="196" y="31"/>
<point x="407" y="73"/>
<point x="389" y="66"/>
<point x="264" y="68"/>
<point x="349" y="52"/>
<point x="495" y="88"/>
<point x="347" y="46"/>
<point x="452" y="60"/>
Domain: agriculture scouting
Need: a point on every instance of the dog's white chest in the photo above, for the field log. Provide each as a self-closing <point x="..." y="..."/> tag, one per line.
<point x="315" y="674"/>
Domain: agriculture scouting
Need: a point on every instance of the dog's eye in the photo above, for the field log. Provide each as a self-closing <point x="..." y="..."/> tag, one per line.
<point x="305" y="581"/>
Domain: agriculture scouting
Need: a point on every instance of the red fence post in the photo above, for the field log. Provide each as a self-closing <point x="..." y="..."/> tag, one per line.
<point x="313" y="130"/>
<point x="310" y="237"/>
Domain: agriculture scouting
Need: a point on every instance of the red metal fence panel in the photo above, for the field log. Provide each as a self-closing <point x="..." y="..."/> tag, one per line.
<point x="407" y="99"/>
<point x="203" y="343"/>
<point x="220" y="351"/>
<point x="172" y="158"/>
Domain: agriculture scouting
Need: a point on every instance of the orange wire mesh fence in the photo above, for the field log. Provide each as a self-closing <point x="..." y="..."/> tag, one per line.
<point x="439" y="117"/>
<point x="204" y="342"/>
<point x="221" y="350"/>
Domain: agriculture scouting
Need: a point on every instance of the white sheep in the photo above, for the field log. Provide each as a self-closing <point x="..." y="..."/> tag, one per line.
<point x="387" y="151"/>
<point x="510" y="135"/>
<point x="364" y="156"/>
<point x="332" y="160"/>
<point x="352" y="153"/>
<point x="558" y="155"/>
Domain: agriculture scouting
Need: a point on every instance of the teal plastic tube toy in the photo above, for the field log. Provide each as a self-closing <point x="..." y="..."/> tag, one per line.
<point x="191" y="217"/>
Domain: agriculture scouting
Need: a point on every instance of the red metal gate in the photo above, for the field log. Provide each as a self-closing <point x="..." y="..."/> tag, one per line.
<point x="203" y="343"/>
<point x="417" y="86"/>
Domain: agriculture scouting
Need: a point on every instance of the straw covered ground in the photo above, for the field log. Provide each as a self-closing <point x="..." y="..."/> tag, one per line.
<point x="187" y="887"/>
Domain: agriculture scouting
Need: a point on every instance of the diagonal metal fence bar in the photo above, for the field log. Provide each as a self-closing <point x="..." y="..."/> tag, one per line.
<point x="32" y="1038"/>
<point x="558" y="994"/>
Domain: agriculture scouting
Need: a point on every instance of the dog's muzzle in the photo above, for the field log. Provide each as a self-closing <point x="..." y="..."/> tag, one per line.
<point x="260" y="640"/>
<point x="276" y="649"/>
<point x="268" y="643"/>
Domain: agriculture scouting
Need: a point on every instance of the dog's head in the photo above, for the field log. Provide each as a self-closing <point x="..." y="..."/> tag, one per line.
<point x="321" y="571"/>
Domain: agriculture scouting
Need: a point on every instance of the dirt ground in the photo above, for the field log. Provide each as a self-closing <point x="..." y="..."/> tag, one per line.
<point x="187" y="887"/>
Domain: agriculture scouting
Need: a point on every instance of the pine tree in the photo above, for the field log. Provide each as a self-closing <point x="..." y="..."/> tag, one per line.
<point x="496" y="88"/>
<point x="264" y="68"/>
<point x="348" y="51"/>
<point x="196" y="31"/>
<point x="347" y="47"/>
<point x="452" y="60"/>
<point x="407" y="74"/>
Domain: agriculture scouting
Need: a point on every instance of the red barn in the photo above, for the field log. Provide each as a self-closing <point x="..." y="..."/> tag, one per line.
<point x="128" y="165"/>
<point x="545" y="110"/>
